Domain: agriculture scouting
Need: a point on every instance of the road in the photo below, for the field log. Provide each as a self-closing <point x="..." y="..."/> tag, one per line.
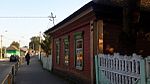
<point x="5" y="67"/>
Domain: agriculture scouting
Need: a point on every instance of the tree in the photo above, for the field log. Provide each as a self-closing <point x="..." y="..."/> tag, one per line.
<point x="35" y="43"/>
<point x="16" y="44"/>
<point x="46" y="44"/>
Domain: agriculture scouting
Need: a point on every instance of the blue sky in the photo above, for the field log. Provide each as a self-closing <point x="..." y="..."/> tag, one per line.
<point x="23" y="29"/>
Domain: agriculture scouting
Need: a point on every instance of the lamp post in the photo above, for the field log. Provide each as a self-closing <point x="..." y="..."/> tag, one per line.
<point x="1" y="47"/>
<point x="19" y="48"/>
<point x="40" y="46"/>
<point x="20" y="42"/>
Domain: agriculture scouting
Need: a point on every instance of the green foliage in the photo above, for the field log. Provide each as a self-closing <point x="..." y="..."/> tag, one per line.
<point x="34" y="43"/>
<point x="46" y="44"/>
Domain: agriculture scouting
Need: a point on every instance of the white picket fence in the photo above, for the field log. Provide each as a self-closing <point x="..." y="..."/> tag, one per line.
<point x="47" y="62"/>
<point x="117" y="69"/>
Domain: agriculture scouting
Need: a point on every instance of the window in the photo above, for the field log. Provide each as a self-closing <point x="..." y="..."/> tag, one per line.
<point x="66" y="50"/>
<point x="57" y="51"/>
<point x="79" y="50"/>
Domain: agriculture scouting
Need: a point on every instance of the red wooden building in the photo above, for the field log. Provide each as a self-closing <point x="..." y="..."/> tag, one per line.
<point x="94" y="28"/>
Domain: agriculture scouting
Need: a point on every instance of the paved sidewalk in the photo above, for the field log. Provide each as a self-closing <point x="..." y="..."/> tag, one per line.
<point x="34" y="74"/>
<point x="4" y="60"/>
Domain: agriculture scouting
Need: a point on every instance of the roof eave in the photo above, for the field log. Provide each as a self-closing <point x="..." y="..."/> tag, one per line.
<point x="76" y="15"/>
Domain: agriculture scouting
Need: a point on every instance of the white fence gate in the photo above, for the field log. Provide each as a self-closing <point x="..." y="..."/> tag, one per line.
<point x="117" y="69"/>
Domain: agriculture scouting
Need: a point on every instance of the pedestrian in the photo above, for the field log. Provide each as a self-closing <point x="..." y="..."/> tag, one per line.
<point x="27" y="57"/>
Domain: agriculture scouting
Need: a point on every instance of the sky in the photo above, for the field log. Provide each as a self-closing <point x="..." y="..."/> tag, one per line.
<point x="22" y="29"/>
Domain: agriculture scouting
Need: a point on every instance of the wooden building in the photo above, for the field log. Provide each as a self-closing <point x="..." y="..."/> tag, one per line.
<point x="94" y="28"/>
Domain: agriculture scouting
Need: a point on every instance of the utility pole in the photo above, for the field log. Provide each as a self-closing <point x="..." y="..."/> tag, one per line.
<point x="1" y="47"/>
<point x="40" y="46"/>
<point x="53" y="17"/>
<point x="19" y="48"/>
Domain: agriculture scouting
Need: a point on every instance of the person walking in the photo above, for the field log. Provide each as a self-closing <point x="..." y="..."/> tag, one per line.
<point x="27" y="57"/>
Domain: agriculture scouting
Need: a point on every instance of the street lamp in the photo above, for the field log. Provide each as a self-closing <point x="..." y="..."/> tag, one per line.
<point x="40" y="46"/>
<point x="20" y="41"/>
<point x="1" y="40"/>
<point x="19" y="48"/>
<point x="1" y="47"/>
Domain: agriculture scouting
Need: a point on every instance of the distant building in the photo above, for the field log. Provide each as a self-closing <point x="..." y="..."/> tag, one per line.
<point x="23" y="51"/>
<point x="12" y="50"/>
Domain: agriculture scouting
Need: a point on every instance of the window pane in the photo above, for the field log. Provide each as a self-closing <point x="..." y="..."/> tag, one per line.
<point x="79" y="51"/>
<point x="66" y="51"/>
<point x="79" y="43"/>
<point x="79" y="57"/>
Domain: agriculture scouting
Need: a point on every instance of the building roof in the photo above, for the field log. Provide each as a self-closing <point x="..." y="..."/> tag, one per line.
<point x="12" y="48"/>
<point x="70" y="17"/>
<point x="145" y="5"/>
<point x="24" y="49"/>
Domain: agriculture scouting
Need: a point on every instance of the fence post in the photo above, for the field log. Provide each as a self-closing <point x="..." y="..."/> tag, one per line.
<point x="148" y="69"/>
<point x="143" y="71"/>
<point x="9" y="79"/>
<point x="13" y="73"/>
<point x="97" y="71"/>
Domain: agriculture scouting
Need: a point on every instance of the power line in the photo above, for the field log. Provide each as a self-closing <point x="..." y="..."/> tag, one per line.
<point x="23" y="17"/>
<point x="29" y="17"/>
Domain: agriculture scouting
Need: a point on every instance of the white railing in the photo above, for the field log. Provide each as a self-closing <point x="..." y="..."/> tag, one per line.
<point x="118" y="69"/>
